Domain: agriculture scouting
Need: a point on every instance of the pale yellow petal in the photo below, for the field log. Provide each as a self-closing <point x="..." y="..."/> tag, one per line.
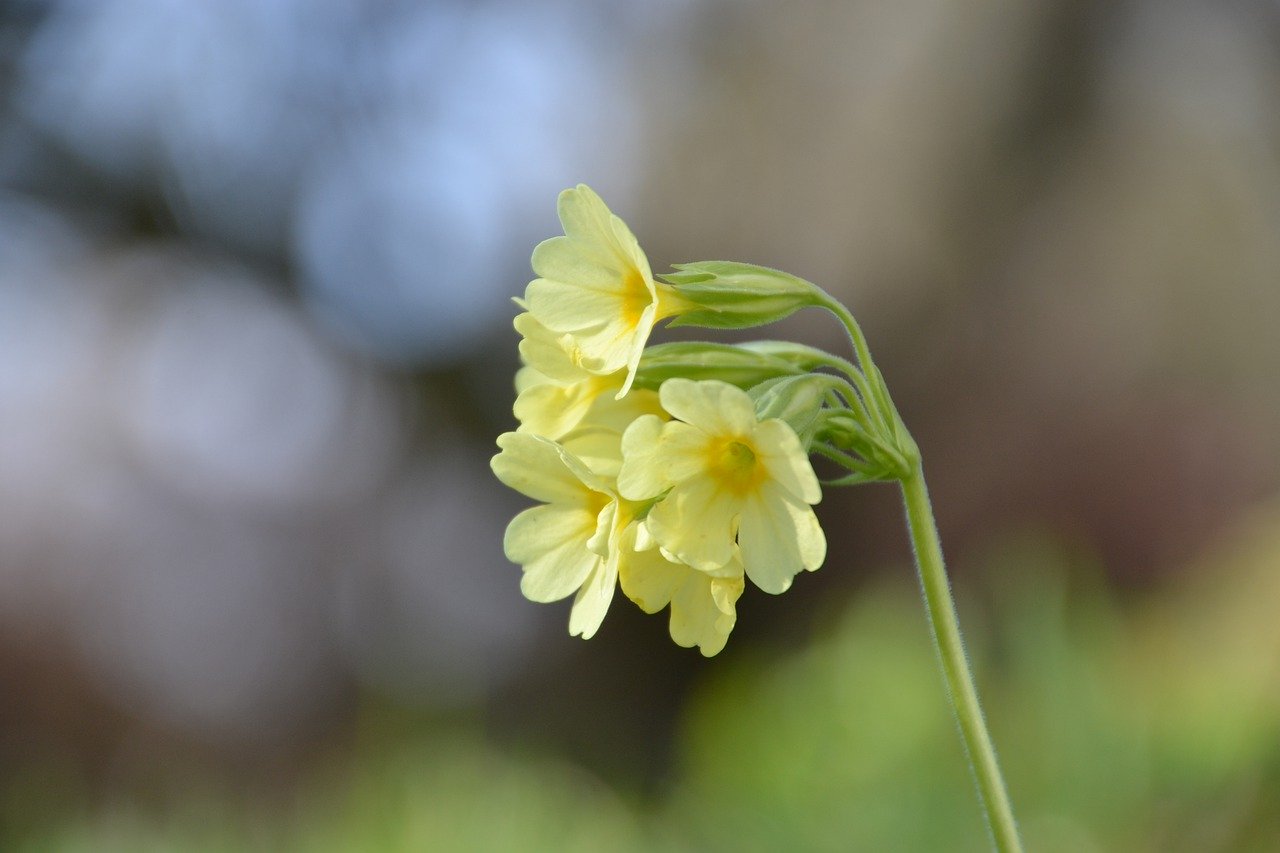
<point x="644" y="539"/>
<point x="588" y="221"/>
<point x="603" y="534"/>
<point x="634" y="257"/>
<point x="640" y="336"/>
<point x="529" y="377"/>
<point x="609" y="412"/>
<point x="809" y="535"/>
<point x="576" y="262"/>
<point x="585" y="217"/>
<point x="598" y="448"/>
<point x="703" y="612"/>
<point x="778" y="537"/>
<point x="683" y="451"/>
<point x="715" y="407"/>
<point x="655" y="459"/>
<point x="552" y="410"/>
<point x="779" y="449"/>
<point x="726" y="592"/>
<point x="696" y="522"/>
<point x="640" y="477"/>
<point x="592" y="601"/>
<point x="550" y="542"/>
<point x="536" y="467"/>
<point x="649" y="579"/>
<point x="619" y="341"/>
<point x="546" y="351"/>
<point x="731" y="569"/>
<point x="566" y="307"/>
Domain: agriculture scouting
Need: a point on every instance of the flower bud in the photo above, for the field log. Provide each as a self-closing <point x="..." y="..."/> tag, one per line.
<point x="731" y="295"/>
<point x="797" y="400"/>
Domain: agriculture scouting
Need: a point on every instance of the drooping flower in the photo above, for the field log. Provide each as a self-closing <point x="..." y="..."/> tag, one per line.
<point x="559" y="400"/>
<point x="729" y="478"/>
<point x="595" y="286"/>
<point x="703" y="610"/>
<point x="570" y="542"/>
<point x="555" y="395"/>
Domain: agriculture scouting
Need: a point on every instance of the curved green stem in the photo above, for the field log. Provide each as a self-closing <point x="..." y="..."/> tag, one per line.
<point x="872" y="384"/>
<point x="867" y="398"/>
<point x="851" y="463"/>
<point x="955" y="666"/>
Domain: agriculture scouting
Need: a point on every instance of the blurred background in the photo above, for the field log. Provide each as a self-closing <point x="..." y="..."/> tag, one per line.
<point x="256" y="261"/>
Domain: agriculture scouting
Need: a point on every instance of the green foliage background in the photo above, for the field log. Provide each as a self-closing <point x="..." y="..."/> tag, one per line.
<point x="1143" y="725"/>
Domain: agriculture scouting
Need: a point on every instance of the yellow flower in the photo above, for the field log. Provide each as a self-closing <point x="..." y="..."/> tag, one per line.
<point x="731" y="478"/>
<point x="594" y="285"/>
<point x="569" y="543"/>
<point x="559" y="400"/>
<point x="703" y="609"/>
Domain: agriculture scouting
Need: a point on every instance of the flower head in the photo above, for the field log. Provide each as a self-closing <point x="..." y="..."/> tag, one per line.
<point x="728" y="478"/>
<point x="569" y="543"/>
<point x="594" y="286"/>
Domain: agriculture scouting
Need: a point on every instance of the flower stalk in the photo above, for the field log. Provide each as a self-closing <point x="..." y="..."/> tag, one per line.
<point x="955" y="665"/>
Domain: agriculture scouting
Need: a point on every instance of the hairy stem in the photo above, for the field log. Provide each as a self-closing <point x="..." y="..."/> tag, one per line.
<point x="955" y="666"/>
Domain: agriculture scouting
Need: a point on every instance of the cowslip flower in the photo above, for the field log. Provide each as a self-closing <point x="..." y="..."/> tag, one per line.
<point x="727" y="477"/>
<point x="594" y="285"/>
<point x="679" y="505"/>
<point x="555" y="396"/>
<point x="559" y="400"/>
<point x="703" y="610"/>
<point x="570" y="542"/>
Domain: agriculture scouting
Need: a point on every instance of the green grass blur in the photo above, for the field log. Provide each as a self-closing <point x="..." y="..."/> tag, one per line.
<point x="1150" y="723"/>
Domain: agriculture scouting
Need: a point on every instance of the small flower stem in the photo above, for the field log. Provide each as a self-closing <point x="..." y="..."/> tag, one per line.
<point x="870" y="384"/>
<point x="955" y="667"/>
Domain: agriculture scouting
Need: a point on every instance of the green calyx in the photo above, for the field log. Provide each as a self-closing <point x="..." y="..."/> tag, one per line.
<point x="797" y="400"/>
<point x="732" y="295"/>
<point x="869" y="454"/>
<point x="743" y="365"/>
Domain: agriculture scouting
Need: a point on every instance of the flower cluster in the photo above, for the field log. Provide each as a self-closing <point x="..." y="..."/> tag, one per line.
<point x="675" y="471"/>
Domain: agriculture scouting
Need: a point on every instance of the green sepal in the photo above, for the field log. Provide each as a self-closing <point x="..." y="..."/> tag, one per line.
<point x="798" y="400"/>
<point x="858" y="479"/>
<point x="881" y="452"/>
<point x="804" y="358"/>
<point x="741" y="365"/>
<point x="732" y="295"/>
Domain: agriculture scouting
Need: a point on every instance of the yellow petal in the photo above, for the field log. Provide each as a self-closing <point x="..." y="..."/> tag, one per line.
<point x="778" y="537"/>
<point x="564" y="306"/>
<point x="788" y="465"/>
<point x="695" y="522"/>
<point x="540" y="469"/>
<point x="715" y="407"/>
<point x="592" y="601"/>
<point x="649" y="579"/>
<point x="588" y="221"/>
<point x="550" y="542"/>
<point x="703" y="613"/>
<point x="598" y="448"/>
<point x="552" y="410"/>
<point x="546" y="351"/>
<point x="641" y="477"/>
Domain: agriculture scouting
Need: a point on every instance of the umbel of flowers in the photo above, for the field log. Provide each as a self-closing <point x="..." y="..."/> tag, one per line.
<point x="677" y="472"/>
